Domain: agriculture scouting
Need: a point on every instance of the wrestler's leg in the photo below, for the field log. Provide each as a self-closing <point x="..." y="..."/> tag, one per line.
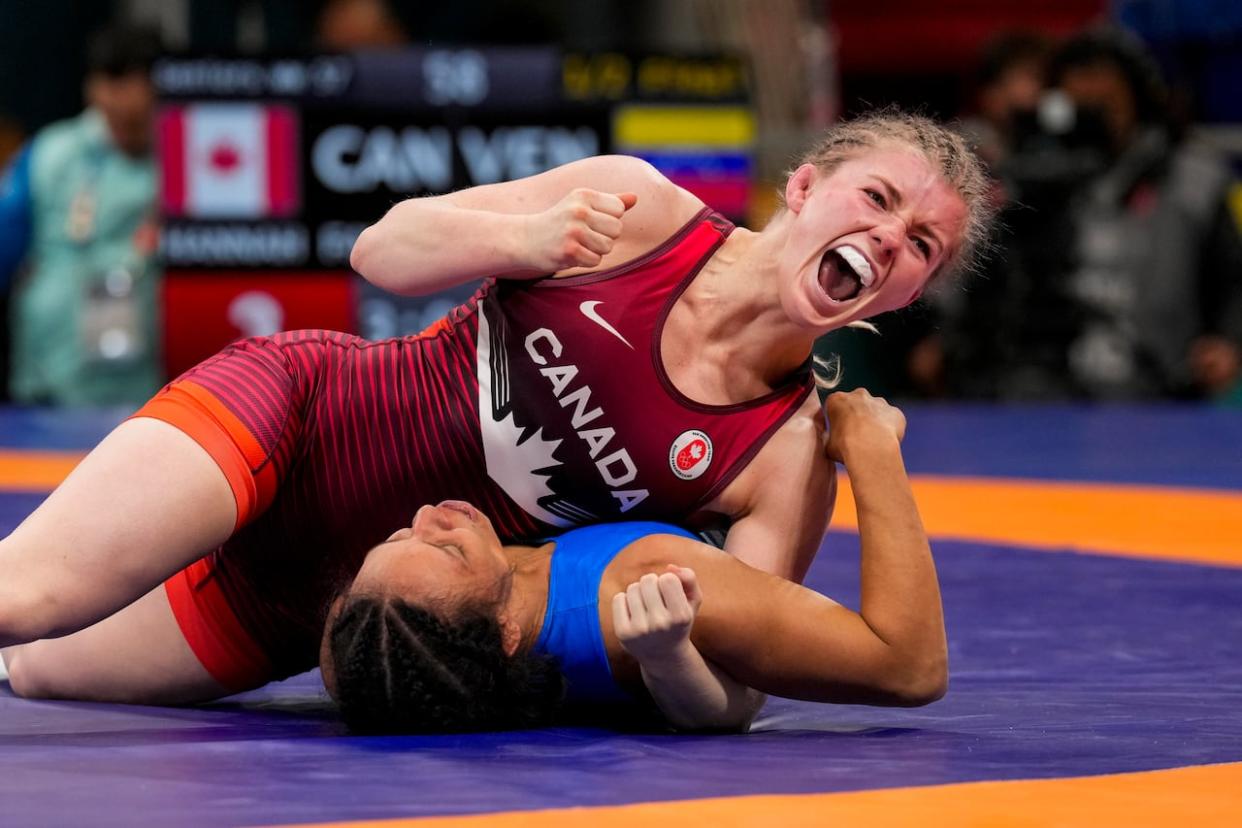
<point x="145" y="503"/>
<point x="135" y="656"/>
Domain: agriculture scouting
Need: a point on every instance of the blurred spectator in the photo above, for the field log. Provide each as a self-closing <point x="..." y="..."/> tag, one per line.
<point x="11" y="138"/>
<point x="908" y="358"/>
<point x="1009" y="81"/>
<point x="345" y="25"/>
<point x="77" y="207"/>
<point x="1120" y="273"/>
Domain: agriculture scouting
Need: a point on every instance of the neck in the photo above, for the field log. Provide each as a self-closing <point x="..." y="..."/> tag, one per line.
<point x="738" y="319"/>
<point x="528" y="598"/>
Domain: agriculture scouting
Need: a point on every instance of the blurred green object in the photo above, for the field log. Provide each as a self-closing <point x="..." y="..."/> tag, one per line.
<point x="84" y="320"/>
<point x="1233" y="397"/>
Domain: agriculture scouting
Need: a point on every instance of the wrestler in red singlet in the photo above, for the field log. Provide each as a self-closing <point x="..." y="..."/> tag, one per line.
<point x="545" y="403"/>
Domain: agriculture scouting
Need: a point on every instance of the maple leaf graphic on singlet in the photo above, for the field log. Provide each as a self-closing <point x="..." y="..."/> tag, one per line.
<point x="518" y="460"/>
<point x="691" y="455"/>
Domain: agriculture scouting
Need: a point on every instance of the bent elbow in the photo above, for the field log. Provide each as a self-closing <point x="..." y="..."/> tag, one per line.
<point x="913" y="681"/>
<point x="739" y="721"/>
<point x="926" y="692"/>
<point x="737" y="717"/>
<point x="360" y="254"/>
<point x="927" y="683"/>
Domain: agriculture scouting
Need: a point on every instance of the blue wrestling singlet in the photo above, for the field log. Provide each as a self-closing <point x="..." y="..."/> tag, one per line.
<point x="571" y="630"/>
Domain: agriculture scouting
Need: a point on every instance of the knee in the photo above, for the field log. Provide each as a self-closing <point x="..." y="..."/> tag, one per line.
<point x="40" y="670"/>
<point x="24" y="678"/>
<point x="25" y="616"/>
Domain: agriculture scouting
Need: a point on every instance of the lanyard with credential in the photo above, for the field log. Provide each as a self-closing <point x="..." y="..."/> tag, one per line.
<point x="83" y="208"/>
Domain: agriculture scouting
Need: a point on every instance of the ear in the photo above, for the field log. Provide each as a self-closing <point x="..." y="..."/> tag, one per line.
<point x="798" y="187"/>
<point x="510" y="635"/>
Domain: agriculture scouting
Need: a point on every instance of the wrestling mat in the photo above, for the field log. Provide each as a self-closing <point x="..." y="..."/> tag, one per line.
<point x="1091" y="563"/>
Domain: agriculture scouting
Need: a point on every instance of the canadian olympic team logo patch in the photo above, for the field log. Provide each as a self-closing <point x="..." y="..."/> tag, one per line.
<point x="690" y="454"/>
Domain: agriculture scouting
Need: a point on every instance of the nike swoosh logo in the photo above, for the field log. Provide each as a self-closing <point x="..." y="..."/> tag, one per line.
<point x="588" y="310"/>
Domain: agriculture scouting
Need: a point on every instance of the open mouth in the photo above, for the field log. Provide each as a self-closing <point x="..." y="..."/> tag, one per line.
<point x="843" y="273"/>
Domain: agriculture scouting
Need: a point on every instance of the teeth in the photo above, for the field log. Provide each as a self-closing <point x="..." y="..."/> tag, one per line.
<point x="857" y="261"/>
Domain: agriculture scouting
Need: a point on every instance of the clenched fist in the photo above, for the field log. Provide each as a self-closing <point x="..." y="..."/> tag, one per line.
<point x="653" y="617"/>
<point x="856" y="416"/>
<point x="577" y="231"/>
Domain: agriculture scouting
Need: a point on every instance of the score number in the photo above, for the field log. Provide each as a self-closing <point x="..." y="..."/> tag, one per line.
<point x="455" y="77"/>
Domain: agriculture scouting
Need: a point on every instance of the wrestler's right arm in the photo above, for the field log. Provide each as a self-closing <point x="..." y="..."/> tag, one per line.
<point x="585" y="214"/>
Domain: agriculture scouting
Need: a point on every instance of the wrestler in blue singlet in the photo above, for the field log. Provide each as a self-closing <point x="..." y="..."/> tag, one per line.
<point x="571" y="630"/>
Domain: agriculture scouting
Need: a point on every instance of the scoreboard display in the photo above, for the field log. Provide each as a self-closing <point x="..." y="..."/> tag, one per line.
<point x="270" y="168"/>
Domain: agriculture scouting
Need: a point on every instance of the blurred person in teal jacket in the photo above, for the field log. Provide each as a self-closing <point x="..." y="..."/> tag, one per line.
<point x="78" y="240"/>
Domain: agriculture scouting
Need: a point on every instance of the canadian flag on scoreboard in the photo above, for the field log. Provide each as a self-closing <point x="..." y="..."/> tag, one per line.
<point x="229" y="160"/>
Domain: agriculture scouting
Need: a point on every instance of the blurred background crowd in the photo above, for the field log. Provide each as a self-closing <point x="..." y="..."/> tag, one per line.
<point x="136" y="236"/>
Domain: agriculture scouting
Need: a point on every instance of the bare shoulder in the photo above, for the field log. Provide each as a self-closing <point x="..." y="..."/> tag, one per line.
<point x="793" y="456"/>
<point x="729" y="581"/>
<point x="651" y="553"/>
<point x="719" y="575"/>
<point x="801" y="431"/>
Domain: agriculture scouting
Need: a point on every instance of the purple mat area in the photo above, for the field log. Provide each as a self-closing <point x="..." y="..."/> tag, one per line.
<point x="1170" y="445"/>
<point x="14" y="506"/>
<point x="1166" y="445"/>
<point x="67" y="429"/>
<point x="1063" y="665"/>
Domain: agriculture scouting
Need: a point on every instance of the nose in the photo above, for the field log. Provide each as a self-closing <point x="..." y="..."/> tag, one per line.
<point x="461" y="507"/>
<point x="429" y="518"/>
<point x="887" y="239"/>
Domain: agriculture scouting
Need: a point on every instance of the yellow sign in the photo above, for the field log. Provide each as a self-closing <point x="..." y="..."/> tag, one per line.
<point x="700" y="126"/>
<point x="614" y="77"/>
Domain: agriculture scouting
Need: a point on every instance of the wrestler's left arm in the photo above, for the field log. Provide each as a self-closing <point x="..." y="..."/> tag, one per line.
<point x="784" y="639"/>
<point x="782" y="502"/>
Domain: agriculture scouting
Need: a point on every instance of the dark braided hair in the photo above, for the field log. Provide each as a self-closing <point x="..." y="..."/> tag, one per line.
<point x="402" y="669"/>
